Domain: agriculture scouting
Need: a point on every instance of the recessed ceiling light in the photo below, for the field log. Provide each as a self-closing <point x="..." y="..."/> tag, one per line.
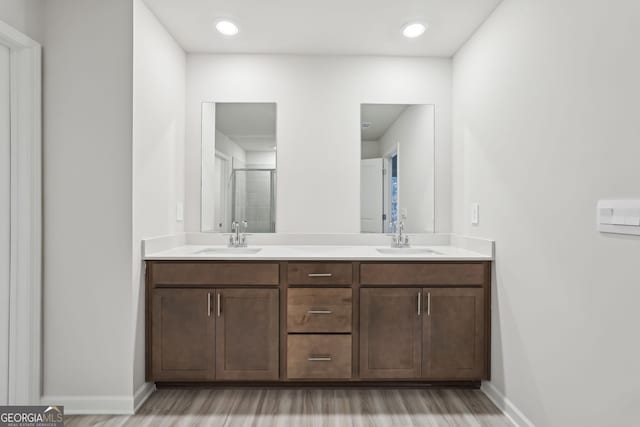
<point x="227" y="28"/>
<point x="413" y="30"/>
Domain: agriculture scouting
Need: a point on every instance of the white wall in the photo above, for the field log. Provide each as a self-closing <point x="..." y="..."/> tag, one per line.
<point x="318" y="101"/>
<point x="261" y="159"/>
<point x="24" y="15"/>
<point x="370" y="149"/>
<point x="159" y="67"/>
<point x="545" y="124"/>
<point x="414" y="132"/>
<point x="209" y="179"/>
<point x="228" y="146"/>
<point x="87" y="201"/>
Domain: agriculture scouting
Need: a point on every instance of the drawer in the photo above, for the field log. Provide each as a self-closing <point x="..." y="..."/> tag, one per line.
<point x="320" y="273"/>
<point x="215" y="273"/>
<point x="319" y="310"/>
<point x="318" y="356"/>
<point x="430" y="274"/>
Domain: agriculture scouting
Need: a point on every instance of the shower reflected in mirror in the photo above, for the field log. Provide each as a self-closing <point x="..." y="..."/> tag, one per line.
<point x="239" y="147"/>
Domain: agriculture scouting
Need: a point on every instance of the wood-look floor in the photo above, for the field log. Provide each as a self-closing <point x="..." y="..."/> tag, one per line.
<point x="308" y="407"/>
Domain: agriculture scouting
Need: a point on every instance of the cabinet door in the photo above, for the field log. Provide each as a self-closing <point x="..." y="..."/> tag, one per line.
<point x="453" y="334"/>
<point x="183" y="335"/>
<point x="247" y="334"/>
<point x="390" y="333"/>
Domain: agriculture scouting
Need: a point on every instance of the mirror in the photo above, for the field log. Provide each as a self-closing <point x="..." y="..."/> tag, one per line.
<point x="397" y="167"/>
<point x="238" y="166"/>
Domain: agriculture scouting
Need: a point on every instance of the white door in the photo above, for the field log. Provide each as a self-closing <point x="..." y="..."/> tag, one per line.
<point x="371" y="199"/>
<point x="5" y="220"/>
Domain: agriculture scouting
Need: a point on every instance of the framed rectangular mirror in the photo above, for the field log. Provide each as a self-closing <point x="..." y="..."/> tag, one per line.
<point x="239" y="150"/>
<point x="397" y="167"/>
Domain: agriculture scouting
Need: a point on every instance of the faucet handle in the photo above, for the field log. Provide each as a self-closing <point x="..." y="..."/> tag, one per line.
<point x="245" y="225"/>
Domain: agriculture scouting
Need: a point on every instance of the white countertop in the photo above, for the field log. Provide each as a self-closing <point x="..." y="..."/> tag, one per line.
<point x="316" y="253"/>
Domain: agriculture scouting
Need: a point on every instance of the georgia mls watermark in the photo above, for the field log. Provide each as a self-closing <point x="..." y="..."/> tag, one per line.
<point x="31" y="416"/>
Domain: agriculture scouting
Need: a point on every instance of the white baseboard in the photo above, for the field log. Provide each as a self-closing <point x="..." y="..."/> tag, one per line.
<point x="102" y="405"/>
<point x="142" y="394"/>
<point x="92" y="405"/>
<point x="507" y="407"/>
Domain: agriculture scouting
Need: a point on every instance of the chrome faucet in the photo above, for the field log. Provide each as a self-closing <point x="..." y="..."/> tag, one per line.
<point x="399" y="239"/>
<point x="237" y="240"/>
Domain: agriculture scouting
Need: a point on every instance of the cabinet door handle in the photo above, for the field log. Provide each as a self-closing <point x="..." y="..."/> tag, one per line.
<point x="429" y="304"/>
<point x="319" y="312"/>
<point x="419" y="303"/>
<point x="319" y="359"/>
<point x="209" y="304"/>
<point x="219" y="304"/>
<point x="320" y="274"/>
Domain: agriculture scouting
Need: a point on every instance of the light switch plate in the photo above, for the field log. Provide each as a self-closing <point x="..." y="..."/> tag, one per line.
<point x="618" y="216"/>
<point x="475" y="214"/>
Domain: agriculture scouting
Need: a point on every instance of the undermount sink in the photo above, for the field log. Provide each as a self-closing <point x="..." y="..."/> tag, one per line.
<point x="231" y="251"/>
<point x="407" y="251"/>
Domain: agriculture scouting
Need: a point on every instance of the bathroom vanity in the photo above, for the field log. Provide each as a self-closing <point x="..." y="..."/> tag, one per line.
<point x="341" y="318"/>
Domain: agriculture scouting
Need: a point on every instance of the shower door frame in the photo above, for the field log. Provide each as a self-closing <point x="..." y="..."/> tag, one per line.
<point x="272" y="187"/>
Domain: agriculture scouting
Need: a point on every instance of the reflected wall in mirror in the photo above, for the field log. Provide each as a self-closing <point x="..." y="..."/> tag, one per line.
<point x="238" y="167"/>
<point x="397" y="168"/>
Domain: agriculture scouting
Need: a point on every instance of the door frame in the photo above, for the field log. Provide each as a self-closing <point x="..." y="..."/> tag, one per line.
<point x="25" y="285"/>
<point x="382" y="164"/>
<point x="224" y="196"/>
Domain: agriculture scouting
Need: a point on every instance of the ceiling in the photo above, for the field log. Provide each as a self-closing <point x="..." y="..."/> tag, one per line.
<point x="380" y="117"/>
<point x="336" y="27"/>
<point x="251" y="125"/>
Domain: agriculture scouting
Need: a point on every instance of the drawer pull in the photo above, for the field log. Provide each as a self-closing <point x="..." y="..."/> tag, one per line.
<point x="319" y="312"/>
<point x="319" y="359"/>
<point x="320" y="274"/>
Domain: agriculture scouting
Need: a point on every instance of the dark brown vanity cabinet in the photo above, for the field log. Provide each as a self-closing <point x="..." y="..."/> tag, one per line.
<point x="390" y="333"/>
<point x="424" y="320"/>
<point x="247" y="334"/>
<point x="214" y="334"/>
<point x="430" y="333"/>
<point x="332" y="322"/>
<point x="182" y="335"/>
<point x="200" y="333"/>
<point x="453" y="334"/>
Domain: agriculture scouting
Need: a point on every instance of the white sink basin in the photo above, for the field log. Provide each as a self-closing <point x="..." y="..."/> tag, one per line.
<point x="229" y="251"/>
<point x="407" y="251"/>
